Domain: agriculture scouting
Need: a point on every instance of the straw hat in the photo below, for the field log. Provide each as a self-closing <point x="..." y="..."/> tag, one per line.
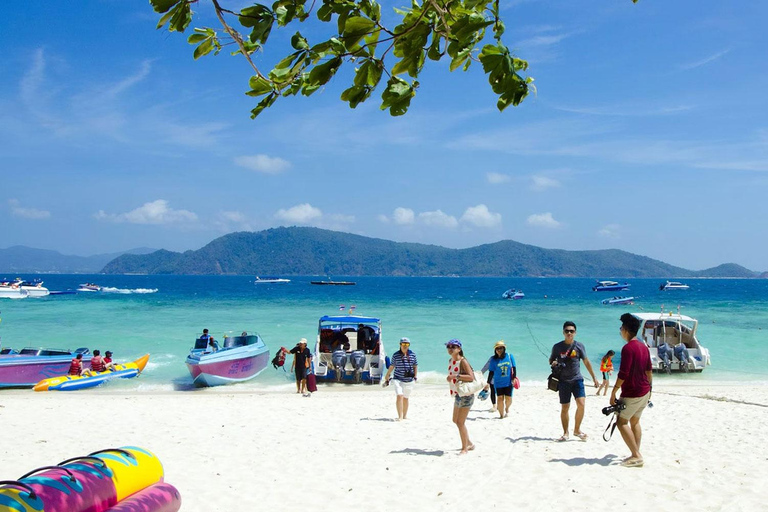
<point x="303" y="341"/>
<point x="498" y="344"/>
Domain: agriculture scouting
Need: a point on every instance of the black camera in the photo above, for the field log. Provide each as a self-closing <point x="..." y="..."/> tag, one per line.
<point x="612" y="409"/>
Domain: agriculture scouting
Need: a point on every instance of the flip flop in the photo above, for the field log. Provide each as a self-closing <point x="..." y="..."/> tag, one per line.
<point x="582" y="436"/>
<point x="632" y="463"/>
<point x="561" y="439"/>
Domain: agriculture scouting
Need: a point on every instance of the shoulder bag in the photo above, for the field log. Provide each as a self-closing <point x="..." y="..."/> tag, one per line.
<point x="467" y="388"/>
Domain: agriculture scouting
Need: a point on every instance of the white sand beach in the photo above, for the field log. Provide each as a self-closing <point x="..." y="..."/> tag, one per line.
<point x="227" y="449"/>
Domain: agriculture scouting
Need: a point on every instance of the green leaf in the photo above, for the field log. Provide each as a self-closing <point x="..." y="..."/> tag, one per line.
<point x="368" y="74"/>
<point x="259" y="86"/>
<point x="324" y="13"/>
<point x="356" y="95"/>
<point x="261" y="19"/>
<point x="182" y="17"/>
<point x="164" y="19"/>
<point x="355" y="28"/>
<point x="299" y="42"/>
<point x="196" y="38"/>
<point x="397" y="96"/>
<point x="204" y="48"/>
<point x="264" y="104"/>
<point x="163" y="5"/>
<point x="322" y="73"/>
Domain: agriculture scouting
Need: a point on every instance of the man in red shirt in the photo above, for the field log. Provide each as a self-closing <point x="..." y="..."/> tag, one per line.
<point x="634" y="379"/>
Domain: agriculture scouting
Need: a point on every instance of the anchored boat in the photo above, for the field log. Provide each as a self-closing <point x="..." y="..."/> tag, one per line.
<point x="25" y="368"/>
<point x="349" y="349"/>
<point x="672" y="341"/>
<point x="91" y="379"/>
<point x="513" y="294"/>
<point x="619" y="300"/>
<point x="239" y="359"/>
<point x="673" y="285"/>
<point x="609" y="286"/>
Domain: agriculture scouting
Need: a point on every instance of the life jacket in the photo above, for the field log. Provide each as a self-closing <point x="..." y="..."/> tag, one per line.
<point x="75" y="367"/>
<point x="97" y="364"/>
<point x="606" y="365"/>
<point x="107" y="360"/>
<point x="279" y="359"/>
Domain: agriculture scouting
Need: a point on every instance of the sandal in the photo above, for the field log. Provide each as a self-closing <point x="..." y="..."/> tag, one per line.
<point x="561" y="439"/>
<point x="632" y="463"/>
<point x="582" y="436"/>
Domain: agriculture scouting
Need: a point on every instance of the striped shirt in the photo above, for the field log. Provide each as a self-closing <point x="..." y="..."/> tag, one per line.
<point x="404" y="365"/>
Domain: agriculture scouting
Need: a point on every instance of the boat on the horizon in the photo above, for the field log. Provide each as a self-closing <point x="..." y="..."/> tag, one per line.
<point x="238" y="359"/>
<point x="335" y="283"/>
<point x="349" y="349"/>
<point x="268" y="280"/>
<point x="609" y="286"/>
<point x="91" y="379"/>
<point x="89" y="287"/>
<point x="673" y="285"/>
<point x="513" y="294"/>
<point x="671" y="340"/>
<point x="9" y="290"/>
<point x="27" y="367"/>
<point x="33" y="288"/>
<point x="618" y="300"/>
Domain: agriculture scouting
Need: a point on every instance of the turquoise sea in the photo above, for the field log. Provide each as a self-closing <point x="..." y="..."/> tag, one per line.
<point x="162" y="315"/>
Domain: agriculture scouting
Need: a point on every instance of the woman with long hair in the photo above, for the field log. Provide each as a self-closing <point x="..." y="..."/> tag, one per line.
<point x="502" y="371"/>
<point x="606" y="368"/>
<point x="459" y="369"/>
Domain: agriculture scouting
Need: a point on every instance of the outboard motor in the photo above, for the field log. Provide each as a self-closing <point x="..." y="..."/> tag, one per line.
<point x="339" y="361"/>
<point x="665" y="354"/>
<point x="357" y="358"/>
<point x="681" y="352"/>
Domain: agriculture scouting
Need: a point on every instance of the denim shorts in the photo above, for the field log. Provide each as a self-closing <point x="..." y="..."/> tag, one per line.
<point x="575" y="388"/>
<point x="463" y="402"/>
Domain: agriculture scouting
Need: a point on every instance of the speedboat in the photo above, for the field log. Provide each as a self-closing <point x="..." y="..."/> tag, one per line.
<point x="618" y="300"/>
<point x="91" y="379"/>
<point x="89" y="287"/>
<point x="513" y="294"/>
<point x="268" y="280"/>
<point x="10" y="290"/>
<point x="336" y="283"/>
<point x="349" y="349"/>
<point x="671" y="339"/>
<point x="240" y="358"/>
<point x="33" y="289"/>
<point x="25" y="368"/>
<point x="609" y="286"/>
<point x="673" y="285"/>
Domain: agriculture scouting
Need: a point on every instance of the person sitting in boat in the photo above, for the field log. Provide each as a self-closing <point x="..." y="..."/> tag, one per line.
<point x="213" y="346"/>
<point x="108" y="360"/>
<point x="366" y="337"/>
<point x="340" y="341"/>
<point x="76" y="366"/>
<point x="205" y="335"/>
<point x="97" y="362"/>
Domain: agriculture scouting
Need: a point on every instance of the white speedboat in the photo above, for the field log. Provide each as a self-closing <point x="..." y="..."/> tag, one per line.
<point x="89" y="287"/>
<point x="513" y="294"/>
<point x="671" y="339"/>
<point x="673" y="285"/>
<point x="33" y="289"/>
<point x="610" y="286"/>
<point x="349" y="349"/>
<point x="268" y="280"/>
<point x="619" y="300"/>
<point x="10" y="290"/>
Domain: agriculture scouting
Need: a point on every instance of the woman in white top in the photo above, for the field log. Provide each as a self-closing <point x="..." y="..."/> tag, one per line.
<point x="459" y="369"/>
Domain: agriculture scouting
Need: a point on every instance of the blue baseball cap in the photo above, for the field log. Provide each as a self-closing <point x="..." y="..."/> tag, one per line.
<point x="405" y="340"/>
<point x="453" y="342"/>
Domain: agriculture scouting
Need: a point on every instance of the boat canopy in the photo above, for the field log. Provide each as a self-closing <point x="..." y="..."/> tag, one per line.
<point x="350" y="319"/>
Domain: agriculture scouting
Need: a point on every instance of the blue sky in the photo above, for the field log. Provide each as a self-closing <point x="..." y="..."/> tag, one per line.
<point x="649" y="133"/>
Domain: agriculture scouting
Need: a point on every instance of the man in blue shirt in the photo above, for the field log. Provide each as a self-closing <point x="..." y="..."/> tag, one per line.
<point x="405" y="367"/>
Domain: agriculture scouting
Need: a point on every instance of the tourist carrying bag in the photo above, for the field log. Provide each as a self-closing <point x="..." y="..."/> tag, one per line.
<point x="464" y="388"/>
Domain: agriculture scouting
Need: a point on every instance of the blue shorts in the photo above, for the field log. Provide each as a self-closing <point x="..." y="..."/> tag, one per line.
<point x="566" y="389"/>
<point x="463" y="402"/>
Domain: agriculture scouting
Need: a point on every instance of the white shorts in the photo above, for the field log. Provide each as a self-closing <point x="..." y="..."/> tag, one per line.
<point x="403" y="388"/>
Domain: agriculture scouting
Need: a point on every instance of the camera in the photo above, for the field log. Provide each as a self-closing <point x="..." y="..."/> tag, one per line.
<point x="612" y="409"/>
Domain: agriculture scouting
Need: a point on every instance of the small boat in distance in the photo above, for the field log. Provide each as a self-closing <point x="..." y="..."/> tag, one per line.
<point x="618" y="300"/>
<point x="9" y="290"/>
<point x="268" y="280"/>
<point x="336" y="283"/>
<point x="609" y="286"/>
<point x="513" y="294"/>
<point x="240" y="358"/>
<point x="673" y="285"/>
<point x="33" y="289"/>
<point x="89" y="287"/>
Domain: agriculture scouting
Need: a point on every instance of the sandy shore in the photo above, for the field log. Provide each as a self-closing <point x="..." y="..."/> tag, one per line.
<point x="230" y="450"/>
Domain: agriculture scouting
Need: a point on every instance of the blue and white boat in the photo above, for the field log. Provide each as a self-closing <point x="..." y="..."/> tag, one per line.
<point x="239" y="359"/>
<point x="609" y="286"/>
<point x="271" y="280"/>
<point x="619" y="300"/>
<point x="671" y="339"/>
<point x="513" y="294"/>
<point x="673" y="285"/>
<point x="349" y="348"/>
<point x="27" y="367"/>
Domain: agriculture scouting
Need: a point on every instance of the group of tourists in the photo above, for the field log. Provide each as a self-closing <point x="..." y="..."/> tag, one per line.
<point x="99" y="363"/>
<point x="633" y="380"/>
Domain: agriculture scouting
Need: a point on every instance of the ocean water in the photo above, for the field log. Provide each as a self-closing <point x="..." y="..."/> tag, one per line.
<point x="162" y="315"/>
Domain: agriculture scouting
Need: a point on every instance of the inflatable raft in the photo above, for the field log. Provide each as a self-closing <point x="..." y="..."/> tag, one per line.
<point x="112" y="480"/>
<point x="91" y="379"/>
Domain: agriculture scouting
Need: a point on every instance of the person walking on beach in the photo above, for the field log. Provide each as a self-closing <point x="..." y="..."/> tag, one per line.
<point x="567" y="355"/>
<point x="459" y="369"/>
<point x="501" y="371"/>
<point x="634" y="380"/>
<point x="302" y="359"/>
<point x="405" y="367"/>
<point x="606" y="368"/>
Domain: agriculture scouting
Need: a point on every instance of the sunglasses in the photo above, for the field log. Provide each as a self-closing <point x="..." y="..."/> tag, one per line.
<point x="451" y="347"/>
<point x="404" y="343"/>
<point x="569" y="331"/>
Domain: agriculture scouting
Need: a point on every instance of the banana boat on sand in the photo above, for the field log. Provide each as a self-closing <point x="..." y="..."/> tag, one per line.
<point x="91" y="379"/>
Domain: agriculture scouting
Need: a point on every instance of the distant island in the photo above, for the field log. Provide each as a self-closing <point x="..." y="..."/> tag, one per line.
<point x="313" y="251"/>
<point x="22" y="259"/>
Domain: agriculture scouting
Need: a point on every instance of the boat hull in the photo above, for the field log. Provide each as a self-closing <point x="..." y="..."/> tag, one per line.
<point x="17" y="371"/>
<point x="221" y="368"/>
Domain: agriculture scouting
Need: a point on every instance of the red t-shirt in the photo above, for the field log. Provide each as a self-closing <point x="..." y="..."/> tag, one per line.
<point x="635" y="361"/>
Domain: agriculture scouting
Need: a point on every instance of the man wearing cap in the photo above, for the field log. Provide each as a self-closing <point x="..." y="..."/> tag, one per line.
<point x="406" y="367"/>
<point x="108" y="360"/>
<point x="302" y="359"/>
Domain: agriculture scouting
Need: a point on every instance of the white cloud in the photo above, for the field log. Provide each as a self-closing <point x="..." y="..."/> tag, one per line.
<point x="540" y="183"/>
<point x="495" y="178"/>
<point x="228" y="220"/>
<point x="439" y="219"/>
<point x="155" y="212"/>
<point x="383" y="218"/>
<point x="299" y="214"/>
<point x="403" y="216"/>
<point x="610" y="231"/>
<point x="704" y="61"/>
<point x="27" y="213"/>
<point x="481" y="217"/>
<point x="543" y="220"/>
<point x="263" y="163"/>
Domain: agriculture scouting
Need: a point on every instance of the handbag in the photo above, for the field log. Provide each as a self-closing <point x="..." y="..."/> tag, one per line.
<point x="464" y="388"/>
<point x="516" y="383"/>
<point x="552" y="382"/>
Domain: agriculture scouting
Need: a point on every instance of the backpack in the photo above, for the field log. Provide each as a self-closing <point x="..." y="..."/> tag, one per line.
<point x="279" y="359"/>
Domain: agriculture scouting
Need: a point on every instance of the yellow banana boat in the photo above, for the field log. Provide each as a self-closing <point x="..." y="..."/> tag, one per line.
<point x="91" y="379"/>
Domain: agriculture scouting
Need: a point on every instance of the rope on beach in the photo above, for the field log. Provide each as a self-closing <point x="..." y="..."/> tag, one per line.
<point x="712" y="398"/>
<point x="538" y="345"/>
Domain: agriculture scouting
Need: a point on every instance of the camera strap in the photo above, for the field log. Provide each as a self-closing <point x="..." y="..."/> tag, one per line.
<point x="611" y="425"/>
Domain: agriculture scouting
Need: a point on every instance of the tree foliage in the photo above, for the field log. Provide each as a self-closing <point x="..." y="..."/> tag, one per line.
<point x="430" y="30"/>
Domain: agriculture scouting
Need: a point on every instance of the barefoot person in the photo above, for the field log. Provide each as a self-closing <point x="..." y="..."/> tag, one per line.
<point x="567" y="355"/>
<point x="405" y="366"/>
<point x="459" y="369"/>
<point x="634" y="380"/>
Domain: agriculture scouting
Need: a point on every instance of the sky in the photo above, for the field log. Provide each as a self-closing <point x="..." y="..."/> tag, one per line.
<point x="648" y="132"/>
